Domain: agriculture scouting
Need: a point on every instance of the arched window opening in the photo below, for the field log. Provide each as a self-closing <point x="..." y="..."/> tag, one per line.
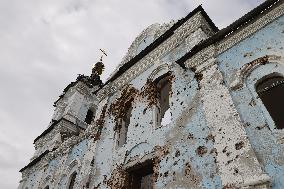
<point x="124" y="123"/>
<point x="72" y="180"/>
<point x="271" y="92"/>
<point x="141" y="177"/>
<point x="47" y="187"/>
<point x="164" y="115"/>
<point x="89" y="116"/>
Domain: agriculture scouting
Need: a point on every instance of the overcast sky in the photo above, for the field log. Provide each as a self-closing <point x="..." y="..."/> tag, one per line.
<point x="45" y="44"/>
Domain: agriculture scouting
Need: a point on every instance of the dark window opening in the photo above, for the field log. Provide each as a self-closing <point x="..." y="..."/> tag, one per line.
<point x="89" y="116"/>
<point x="271" y="92"/>
<point x="141" y="177"/>
<point x="124" y="123"/>
<point x="164" y="112"/>
<point x="72" y="180"/>
<point x="47" y="187"/>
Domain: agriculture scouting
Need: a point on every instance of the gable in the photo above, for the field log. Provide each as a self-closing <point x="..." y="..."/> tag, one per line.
<point x="135" y="62"/>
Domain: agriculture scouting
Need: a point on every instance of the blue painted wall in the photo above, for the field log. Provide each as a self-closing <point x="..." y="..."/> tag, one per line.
<point x="257" y="121"/>
<point x="78" y="151"/>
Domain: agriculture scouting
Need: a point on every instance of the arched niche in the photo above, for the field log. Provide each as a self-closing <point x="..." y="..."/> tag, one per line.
<point x="159" y="71"/>
<point x="137" y="153"/>
<point x="240" y="76"/>
<point x="270" y="90"/>
<point x="254" y="77"/>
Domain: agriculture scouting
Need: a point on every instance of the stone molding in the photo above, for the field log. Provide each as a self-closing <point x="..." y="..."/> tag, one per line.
<point x="201" y="57"/>
<point x="245" y="70"/>
<point x="83" y="88"/>
<point x="80" y="87"/>
<point x="156" y="30"/>
<point x="63" y="126"/>
<point x="75" y="164"/>
<point x="195" y="22"/>
<point x="155" y="72"/>
<point x="260" y="182"/>
<point x="235" y="37"/>
<point x="65" y="147"/>
<point x="62" y="150"/>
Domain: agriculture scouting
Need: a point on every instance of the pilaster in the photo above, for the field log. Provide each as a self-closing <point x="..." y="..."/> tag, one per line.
<point x="235" y="158"/>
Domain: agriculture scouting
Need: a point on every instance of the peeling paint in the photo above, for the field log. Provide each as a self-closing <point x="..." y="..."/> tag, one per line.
<point x="219" y="136"/>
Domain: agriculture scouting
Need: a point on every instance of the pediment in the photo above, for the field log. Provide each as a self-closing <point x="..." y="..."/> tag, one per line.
<point x="168" y="41"/>
<point x="144" y="39"/>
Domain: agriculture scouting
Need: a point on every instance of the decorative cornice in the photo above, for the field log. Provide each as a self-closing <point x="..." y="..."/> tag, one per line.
<point x="34" y="162"/>
<point x="155" y="30"/>
<point x="65" y="147"/>
<point x="163" y="67"/>
<point x="83" y="84"/>
<point x="201" y="57"/>
<point x="46" y="157"/>
<point x="61" y="125"/>
<point x="206" y="27"/>
<point x="248" y="30"/>
<point x="180" y="34"/>
<point x="235" y="37"/>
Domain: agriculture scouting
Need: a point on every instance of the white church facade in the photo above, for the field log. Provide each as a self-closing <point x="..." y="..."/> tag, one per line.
<point x="190" y="106"/>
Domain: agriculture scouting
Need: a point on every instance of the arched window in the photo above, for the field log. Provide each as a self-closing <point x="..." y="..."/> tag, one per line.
<point x="271" y="92"/>
<point x="164" y="112"/>
<point x="47" y="187"/>
<point x="124" y="123"/>
<point x="89" y="116"/>
<point x="72" y="180"/>
<point x="141" y="176"/>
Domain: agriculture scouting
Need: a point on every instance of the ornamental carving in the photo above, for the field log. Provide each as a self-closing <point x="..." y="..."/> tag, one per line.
<point x="246" y="69"/>
<point x="237" y="36"/>
<point x="62" y="126"/>
<point x="154" y="30"/>
<point x="234" y="37"/>
<point x="179" y="36"/>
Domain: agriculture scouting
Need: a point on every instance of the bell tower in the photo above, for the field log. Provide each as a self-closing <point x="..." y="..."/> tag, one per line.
<point x="74" y="111"/>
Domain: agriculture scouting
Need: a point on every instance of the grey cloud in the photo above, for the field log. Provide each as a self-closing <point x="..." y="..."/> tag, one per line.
<point x="45" y="44"/>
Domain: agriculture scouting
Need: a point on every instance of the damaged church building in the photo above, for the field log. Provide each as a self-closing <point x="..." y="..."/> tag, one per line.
<point x="189" y="106"/>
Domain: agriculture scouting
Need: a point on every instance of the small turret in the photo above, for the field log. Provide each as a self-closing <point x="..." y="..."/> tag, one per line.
<point x="74" y="110"/>
<point x="98" y="68"/>
<point x="97" y="71"/>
